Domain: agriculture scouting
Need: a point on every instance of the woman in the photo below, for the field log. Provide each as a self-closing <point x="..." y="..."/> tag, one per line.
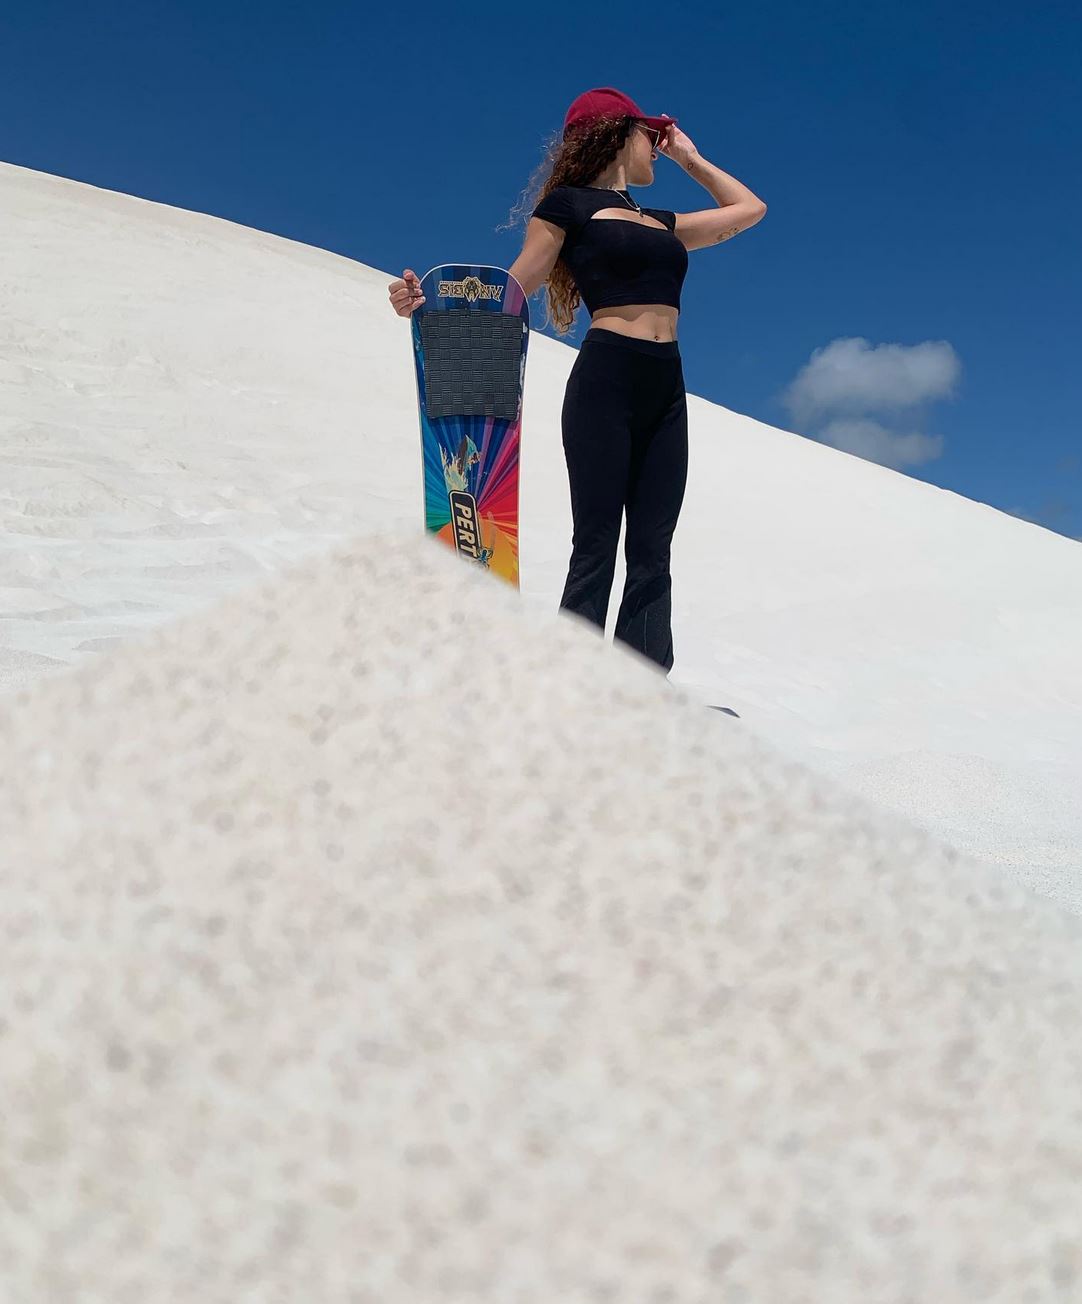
<point x="624" y="415"/>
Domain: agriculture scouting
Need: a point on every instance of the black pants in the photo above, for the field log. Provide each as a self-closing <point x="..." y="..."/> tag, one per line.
<point x="625" y="437"/>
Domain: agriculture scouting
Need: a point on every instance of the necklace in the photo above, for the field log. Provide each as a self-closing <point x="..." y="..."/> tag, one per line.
<point x="626" y="198"/>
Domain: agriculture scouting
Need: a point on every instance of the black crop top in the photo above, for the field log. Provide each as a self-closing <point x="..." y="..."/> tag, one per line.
<point x="616" y="260"/>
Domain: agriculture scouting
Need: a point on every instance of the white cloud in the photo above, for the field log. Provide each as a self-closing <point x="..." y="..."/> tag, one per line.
<point x="851" y="377"/>
<point x="833" y="394"/>
<point x="875" y="443"/>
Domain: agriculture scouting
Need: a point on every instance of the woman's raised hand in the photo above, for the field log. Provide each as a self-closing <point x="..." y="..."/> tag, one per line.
<point x="405" y="293"/>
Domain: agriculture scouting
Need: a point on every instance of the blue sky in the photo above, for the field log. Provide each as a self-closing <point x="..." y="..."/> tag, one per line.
<point x="912" y="294"/>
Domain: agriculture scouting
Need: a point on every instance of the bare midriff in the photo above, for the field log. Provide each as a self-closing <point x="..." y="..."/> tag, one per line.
<point x="645" y="321"/>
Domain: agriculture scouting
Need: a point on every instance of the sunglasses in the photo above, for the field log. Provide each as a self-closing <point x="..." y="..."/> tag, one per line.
<point x="654" y="133"/>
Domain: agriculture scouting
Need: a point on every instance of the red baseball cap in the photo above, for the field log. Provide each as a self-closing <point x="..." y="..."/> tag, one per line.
<point x="607" y="101"/>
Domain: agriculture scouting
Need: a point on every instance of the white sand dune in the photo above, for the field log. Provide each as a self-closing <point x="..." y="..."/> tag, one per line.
<point x="374" y="933"/>
<point x="371" y="939"/>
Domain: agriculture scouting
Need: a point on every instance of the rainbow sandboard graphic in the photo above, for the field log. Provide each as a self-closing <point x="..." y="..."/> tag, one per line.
<point x="469" y="346"/>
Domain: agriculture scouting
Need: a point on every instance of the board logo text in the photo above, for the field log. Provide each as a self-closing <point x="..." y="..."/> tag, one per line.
<point x="470" y="288"/>
<point x="465" y="524"/>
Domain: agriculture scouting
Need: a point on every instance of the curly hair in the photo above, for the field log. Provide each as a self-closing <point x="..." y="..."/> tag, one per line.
<point x="576" y="161"/>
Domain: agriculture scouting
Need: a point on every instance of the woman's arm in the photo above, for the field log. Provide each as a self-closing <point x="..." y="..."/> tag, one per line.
<point x="738" y="206"/>
<point x="541" y="248"/>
